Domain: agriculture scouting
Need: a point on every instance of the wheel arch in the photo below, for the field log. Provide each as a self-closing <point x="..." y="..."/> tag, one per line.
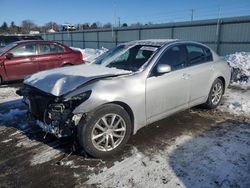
<point x="224" y="82"/>
<point x="127" y="109"/>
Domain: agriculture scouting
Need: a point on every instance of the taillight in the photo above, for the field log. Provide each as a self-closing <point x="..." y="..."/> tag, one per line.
<point x="81" y="55"/>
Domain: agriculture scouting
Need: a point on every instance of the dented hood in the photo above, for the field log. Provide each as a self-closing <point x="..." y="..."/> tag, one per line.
<point x="63" y="80"/>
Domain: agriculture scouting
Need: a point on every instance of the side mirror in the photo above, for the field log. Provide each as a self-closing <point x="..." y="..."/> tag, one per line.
<point x="161" y="68"/>
<point x="9" y="56"/>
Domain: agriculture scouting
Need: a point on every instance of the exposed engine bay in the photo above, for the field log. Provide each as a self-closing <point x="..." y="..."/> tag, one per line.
<point x="53" y="114"/>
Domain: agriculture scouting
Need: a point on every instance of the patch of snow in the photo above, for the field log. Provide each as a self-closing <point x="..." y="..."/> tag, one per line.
<point x="15" y="133"/>
<point x="240" y="63"/>
<point x="6" y="141"/>
<point x="89" y="54"/>
<point x="236" y="102"/>
<point x="8" y="93"/>
<point x="46" y="153"/>
<point x="76" y="175"/>
<point x="12" y="114"/>
<point x="216" y="158"/>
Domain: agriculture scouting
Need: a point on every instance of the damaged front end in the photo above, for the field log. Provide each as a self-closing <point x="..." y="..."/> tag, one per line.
<point x="53" y="114"/>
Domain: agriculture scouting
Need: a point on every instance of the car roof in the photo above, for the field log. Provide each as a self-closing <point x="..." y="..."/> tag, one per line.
<point x="28" y="41"/>
<point x="153" y="42"/>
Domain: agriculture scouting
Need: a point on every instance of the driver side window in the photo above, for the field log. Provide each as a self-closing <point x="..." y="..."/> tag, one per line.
<point x="24" y="50"/>
<point x="175" y="57"/>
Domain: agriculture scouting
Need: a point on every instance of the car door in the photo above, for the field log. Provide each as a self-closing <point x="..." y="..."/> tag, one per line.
<point x="200" y="69"/>
<point x="169" y="92"/>
<point x="48" y="56"/>
<point x="22" y="61"/>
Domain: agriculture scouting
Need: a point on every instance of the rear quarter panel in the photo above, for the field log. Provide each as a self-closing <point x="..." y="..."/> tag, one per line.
<point x="71" y="57"/>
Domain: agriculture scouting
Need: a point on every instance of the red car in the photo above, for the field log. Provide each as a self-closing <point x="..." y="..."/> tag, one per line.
<point x="23" y="58"/>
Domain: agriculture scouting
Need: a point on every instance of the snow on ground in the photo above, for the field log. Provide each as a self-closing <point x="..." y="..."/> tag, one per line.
<point x="219" y="157"/>
<point x="46" y="153"/>
<point x="240" y="63"/>
<point x="236" y="102"/>
<point x="8" y="93"/>
<point x="90" y="54"/>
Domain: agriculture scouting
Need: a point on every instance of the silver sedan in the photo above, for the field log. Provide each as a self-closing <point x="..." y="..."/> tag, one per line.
<point x="137" y="83"/>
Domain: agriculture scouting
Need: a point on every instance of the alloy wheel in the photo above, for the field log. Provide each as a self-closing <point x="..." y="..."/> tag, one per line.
<point x="108" y="132"/>
<point x="216" y="93"/>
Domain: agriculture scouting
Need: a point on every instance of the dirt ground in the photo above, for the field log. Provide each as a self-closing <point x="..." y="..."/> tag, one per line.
<point x="194" y="148"/>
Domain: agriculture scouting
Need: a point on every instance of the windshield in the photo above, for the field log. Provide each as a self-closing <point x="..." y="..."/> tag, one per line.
<point x="7" y="47"/>
<point x="127" y="57"/>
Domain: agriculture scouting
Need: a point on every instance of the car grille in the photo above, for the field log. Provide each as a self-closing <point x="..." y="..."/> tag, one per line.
<point x="37" y="106"/>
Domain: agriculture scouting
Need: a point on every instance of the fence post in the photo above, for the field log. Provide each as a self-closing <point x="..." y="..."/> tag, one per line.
<point x="71" y="39"/>
<point x="140" y="33"/>
<point x="172" y="32"/>
<point x="218" y="36"/>
<point x="62" y="37"/>
<point x="116" y="37"/>
<point x="83" y="39"/>
<point x="98" y="42"/>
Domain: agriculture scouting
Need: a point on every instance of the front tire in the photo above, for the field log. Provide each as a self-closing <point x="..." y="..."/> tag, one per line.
<point x="215" y="94"/>
<point x="105" y="131"/>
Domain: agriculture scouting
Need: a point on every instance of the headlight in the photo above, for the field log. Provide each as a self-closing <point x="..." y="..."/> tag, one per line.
<point x="79" y="98"/>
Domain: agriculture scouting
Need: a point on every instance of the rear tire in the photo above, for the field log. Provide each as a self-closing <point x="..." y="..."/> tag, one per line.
<point x="105" y="131"/>
<point x="215" y="94"/>
<point x="67" y="65"/>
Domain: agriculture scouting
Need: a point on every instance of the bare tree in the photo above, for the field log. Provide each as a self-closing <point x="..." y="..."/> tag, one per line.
<point x="13" y="29"/>
<point x="93" y="26"/>
<point x="4" y="28"/>
<point x="136" y="24"/>
<point x="107" y="25"/>
<point x="51" y="25"/>
<point x="85" y="26"/>
<point x="27" y="26"/>
<point x="124" y="25"/>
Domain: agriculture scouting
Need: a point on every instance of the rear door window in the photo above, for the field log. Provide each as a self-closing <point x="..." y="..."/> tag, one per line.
<point x="198" y="54"/>
<point x="50" y="49"/>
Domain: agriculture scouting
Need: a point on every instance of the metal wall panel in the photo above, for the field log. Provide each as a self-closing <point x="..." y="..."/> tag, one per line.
<point x="67" y="36"/>
<point x="67" y="43"/>
<point x="58" y="36"/>
<point x="90" y="36"/>
<point x="106" y="36"/>
<point x="232" y="48"/>
<point x="233" y="34"/>
<point x="107" y="45"/>
<point x="239" y="32"/>
<point x="197" y="33"/>
<point x="129" y="35"/>
<point x="91" y="45"/>
<point x="77" y="44"/>
<point x="50" y="36"/>
<point x="77" y="36"/>
<point x="156" y="33"/>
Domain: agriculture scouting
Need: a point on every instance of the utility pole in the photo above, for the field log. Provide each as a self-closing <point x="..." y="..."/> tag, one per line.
<point x="192" y="14"/>
<point x="119" y="22"/>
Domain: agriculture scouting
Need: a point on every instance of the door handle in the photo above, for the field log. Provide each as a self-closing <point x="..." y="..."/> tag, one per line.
<point x="212" y="68"/>
<point x="185" y="76"/>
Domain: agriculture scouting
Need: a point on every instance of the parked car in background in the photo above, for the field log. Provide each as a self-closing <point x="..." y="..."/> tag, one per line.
<point x="126" y="88"/>
<point x="23" y="58"/>
<point x="7" y="39"/>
